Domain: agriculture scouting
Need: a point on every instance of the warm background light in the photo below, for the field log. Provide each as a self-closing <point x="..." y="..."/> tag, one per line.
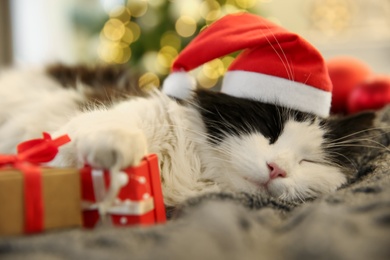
<point x="147" y="35"/>
<point x="173" y="24"/>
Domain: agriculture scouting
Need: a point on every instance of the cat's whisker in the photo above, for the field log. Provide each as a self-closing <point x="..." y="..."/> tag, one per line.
<point x="365" y="131"/>
<point x="312" y="193"/>
<point x="350" y="141"/>
<point x="289" y="66"/>
<point x="359" y="145"/>
<point x="380" y="146"/>
<point x="295" y="195"/>
<point x="300" y="197"/>
<point x="341" y="165"/>
<point x="332" y="162"/>
<point x="365" y="136"/>
<point x="286" y="66"/>
<point x="282" y="197"/>
<point x="308" y="77"/>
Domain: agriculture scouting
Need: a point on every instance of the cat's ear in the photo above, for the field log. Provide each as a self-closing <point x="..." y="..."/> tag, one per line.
<point x="350" y="126"/>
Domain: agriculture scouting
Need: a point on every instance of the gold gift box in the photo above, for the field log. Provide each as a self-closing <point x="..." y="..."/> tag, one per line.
<point x="61" y="200"/>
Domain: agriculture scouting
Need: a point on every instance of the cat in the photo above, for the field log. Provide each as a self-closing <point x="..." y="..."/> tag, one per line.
<point x="208" y="142"/>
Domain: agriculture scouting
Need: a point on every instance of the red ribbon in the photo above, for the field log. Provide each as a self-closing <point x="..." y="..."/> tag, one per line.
<point x="29" y="155"/>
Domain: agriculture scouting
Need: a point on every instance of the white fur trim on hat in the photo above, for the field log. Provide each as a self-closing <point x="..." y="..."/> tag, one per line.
<point x="275" y="90"/>
<point x="179" y="84"/>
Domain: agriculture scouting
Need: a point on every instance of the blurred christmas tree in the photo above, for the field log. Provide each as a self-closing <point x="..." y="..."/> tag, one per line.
<point x="148" y="35"/>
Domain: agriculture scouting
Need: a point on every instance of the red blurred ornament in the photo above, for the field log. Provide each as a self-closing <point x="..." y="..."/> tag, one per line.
<point x="345" y="73"/>
<point x="373" y="93"/>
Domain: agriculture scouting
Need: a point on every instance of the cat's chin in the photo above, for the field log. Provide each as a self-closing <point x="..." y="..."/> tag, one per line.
<point x="270" y="188"/>
<point x="276" y="189"/>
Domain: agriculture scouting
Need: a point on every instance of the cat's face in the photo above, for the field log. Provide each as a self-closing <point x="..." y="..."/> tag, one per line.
<point x="293" y="167"/>
<point x="256" y="147"/>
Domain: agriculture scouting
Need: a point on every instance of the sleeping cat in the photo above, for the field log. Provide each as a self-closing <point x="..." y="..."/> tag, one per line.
<point x="206" y="143"/>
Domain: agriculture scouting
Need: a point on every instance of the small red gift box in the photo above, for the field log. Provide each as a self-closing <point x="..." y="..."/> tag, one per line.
<point x="138" y="202"/>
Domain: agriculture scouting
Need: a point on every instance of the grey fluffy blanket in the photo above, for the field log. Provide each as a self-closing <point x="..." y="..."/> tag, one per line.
<point x="352" y="223"/>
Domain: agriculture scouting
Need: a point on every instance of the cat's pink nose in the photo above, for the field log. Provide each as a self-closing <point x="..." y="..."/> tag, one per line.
<point x="276" y="171"/>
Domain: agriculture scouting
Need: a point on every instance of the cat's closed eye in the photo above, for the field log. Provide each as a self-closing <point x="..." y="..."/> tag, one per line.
<point x="307" y="161"/>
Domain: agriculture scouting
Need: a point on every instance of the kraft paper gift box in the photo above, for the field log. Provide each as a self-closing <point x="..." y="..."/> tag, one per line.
<point x="138" y="202"/>
<point x="32" y="198"/>
<point x="59" y="202"/>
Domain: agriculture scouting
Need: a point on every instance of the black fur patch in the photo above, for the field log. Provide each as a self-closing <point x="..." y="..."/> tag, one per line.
<point x="226" y="115"/>
<point x="106" y="83"/>
<point x="346" y="137"/>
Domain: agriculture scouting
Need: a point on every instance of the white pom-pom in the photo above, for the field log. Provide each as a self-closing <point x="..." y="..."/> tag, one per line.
<point x="179" y="85"/>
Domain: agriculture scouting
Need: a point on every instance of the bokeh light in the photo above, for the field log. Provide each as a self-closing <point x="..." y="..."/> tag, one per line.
<point x="149" y="61"/>
<point x="148" y="81"/>
<point x="121" y="13"/>
<point x="114" y="52"/>
<point x="245" y="4"/>
<point x="132" y="24"/>
<point x="149" y="20"/>
<point x="114" y="29"/>
<point x="210" y="10"/>
<point x="214" y="69"/>
<point x="135" y="30"/>
<point x="171" y="38"/>
<point x="185" y="26"/>
<point x="166" y="55"/>
<point x="137" y="7"/>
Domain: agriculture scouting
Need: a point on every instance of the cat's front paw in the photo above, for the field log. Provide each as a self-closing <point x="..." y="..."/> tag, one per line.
<point x="111" y="148"/>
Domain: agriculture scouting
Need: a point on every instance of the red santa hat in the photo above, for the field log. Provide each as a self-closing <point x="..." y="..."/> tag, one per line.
<point x="276" y="66"/>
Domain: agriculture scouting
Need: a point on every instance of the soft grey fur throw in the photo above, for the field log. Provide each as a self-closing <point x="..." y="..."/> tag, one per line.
<point x="352" y="223"/>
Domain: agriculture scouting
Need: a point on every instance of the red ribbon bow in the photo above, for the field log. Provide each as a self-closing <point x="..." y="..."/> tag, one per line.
<point x="29" y="155"/>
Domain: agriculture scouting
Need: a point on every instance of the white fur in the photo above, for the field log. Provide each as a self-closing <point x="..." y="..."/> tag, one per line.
<point x="121" y="135"/>
<point x="276" y="90"/>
